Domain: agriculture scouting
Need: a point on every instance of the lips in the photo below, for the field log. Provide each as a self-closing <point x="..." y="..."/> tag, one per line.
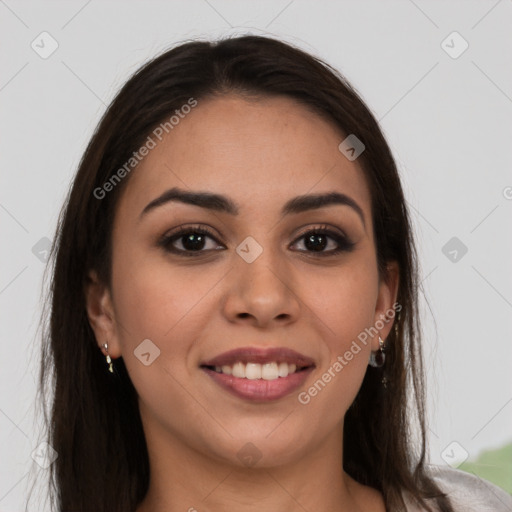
<point x="223" y="370"/>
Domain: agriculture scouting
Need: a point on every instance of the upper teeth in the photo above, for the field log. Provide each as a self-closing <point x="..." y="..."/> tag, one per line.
<point x="267" y="371"/>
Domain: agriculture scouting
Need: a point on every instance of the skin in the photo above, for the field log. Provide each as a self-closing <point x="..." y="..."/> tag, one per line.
<point x="260" y="154"/>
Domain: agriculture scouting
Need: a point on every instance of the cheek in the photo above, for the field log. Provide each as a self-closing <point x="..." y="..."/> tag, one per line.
<point x="344" y="301"/>
<point x="154" y="299"/>
<point x="167" y="305"/>
<point x="344" y="304"/>
<point x="157" y="303"/>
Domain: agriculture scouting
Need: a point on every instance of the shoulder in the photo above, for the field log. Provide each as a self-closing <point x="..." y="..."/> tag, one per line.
<point x="468" y="492"/>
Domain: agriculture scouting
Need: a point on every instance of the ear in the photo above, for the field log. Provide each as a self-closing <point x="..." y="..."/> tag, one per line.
<point x="100" y="312"/>
<point x="386" y="307"/>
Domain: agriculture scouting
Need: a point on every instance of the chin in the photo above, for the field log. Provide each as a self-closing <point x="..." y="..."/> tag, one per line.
<point x="262" y="450"/>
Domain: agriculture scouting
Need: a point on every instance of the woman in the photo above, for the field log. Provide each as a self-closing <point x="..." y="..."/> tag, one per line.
<point x="234" y="300"/>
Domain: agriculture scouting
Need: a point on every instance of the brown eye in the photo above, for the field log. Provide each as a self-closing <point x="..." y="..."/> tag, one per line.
<point x="193" y="241"/>
<point x="189" y="240"/>
<point x="319" y="239"/>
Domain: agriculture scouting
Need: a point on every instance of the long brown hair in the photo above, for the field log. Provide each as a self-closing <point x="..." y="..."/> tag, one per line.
<point x="93" y="419"/>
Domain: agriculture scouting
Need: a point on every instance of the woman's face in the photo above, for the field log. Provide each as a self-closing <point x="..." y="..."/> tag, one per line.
<point x="259" y="281"/>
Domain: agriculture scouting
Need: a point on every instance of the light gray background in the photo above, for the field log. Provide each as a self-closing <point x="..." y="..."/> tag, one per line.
<point x="448" y="122"/>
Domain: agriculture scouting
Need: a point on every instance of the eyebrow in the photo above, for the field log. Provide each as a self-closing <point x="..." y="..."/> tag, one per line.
<point x="224" y="204"/>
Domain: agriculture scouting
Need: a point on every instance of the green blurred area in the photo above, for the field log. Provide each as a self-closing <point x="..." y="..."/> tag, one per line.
<point x="493" y="465"/>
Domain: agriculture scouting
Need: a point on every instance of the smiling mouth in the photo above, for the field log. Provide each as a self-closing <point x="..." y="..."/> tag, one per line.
<point x="254" y="371"/>
<point x="259" y="374"/>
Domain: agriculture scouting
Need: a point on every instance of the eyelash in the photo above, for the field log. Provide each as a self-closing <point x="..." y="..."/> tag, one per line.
<point x="344" y="244"/>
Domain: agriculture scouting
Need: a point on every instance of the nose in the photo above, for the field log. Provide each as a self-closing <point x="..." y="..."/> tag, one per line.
<point x="262" y="293"/>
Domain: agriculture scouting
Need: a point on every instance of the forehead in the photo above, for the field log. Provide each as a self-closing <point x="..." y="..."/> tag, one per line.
<point x="258" y="151"/>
